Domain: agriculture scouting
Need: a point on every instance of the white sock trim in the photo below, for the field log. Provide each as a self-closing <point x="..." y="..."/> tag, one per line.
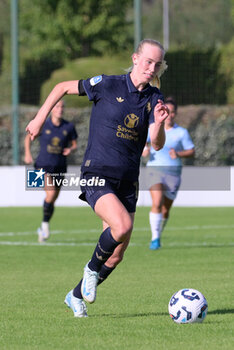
<point x="45" y="228"/>
<point x="155" y="224"/>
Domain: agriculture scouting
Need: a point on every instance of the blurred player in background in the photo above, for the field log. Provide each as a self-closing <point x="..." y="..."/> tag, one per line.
<point x="58" y="139"/>
<point x="165" y="171"/>
<point x="124" y="107"/>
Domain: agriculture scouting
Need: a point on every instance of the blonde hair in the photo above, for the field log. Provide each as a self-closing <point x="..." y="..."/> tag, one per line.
<point x="151" y="42"/>
<point x="156" y="81"/>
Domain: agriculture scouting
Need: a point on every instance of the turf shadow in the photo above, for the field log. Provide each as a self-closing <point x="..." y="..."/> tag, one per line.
<point x="145" y="314"/>
<point x="221" y="312"/>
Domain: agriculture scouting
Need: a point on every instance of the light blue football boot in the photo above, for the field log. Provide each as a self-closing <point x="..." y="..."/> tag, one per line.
<point x="155" y="244"/>
<point x="89" y="285"/>
<point x="77" y="305"/>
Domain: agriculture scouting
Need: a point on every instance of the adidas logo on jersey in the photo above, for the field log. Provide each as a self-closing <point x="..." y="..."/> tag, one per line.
<point x="120" y="99"/>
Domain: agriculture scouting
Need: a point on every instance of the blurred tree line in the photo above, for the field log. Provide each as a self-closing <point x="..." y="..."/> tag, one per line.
<point x="211" y="128"/>
<point x="53" y="32"/>
<point x="193" y="24"/>
<point x="60" y="39"/>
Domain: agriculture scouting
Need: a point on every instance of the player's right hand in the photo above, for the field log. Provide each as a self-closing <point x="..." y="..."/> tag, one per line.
<point x="28" y="159"/>
<point x="34" y="128"/>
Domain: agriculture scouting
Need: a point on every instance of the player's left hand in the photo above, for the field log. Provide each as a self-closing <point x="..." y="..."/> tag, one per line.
<point x="161" y="112"/>
<point x="66" y="151"/>
<point x="173" y="153"/>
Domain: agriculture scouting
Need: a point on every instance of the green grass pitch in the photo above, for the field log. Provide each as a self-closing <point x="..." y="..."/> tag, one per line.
<point x="131" y="310"/>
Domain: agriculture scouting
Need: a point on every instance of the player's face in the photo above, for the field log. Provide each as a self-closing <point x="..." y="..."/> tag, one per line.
<point x="57" y="111"/>
<point x="147" y="63"/>
<point x="169" y="122"/>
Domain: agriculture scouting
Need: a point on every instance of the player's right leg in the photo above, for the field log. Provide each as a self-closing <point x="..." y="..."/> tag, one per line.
<point x="155" y="215"/>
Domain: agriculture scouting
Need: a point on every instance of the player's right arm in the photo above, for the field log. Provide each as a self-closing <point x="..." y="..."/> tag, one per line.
<point x="61" y="89"/>
<point x="27" y="150"/>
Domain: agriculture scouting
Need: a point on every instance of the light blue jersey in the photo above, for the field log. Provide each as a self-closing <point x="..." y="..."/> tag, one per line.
<point x="177" y="138"/>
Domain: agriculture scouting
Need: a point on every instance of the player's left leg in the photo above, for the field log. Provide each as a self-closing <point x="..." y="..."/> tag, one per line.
<point x="167" y="204"/>
<point x="172" y="185"/>
<point x="119" y="226"/>
<point x="114" y="209"/>
<point x="52" y="193"/>
<point x="109" y="266"/>
<point x="77" y="305"/>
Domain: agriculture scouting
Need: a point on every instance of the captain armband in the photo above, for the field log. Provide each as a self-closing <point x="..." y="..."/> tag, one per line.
<point x="81" y="88"/>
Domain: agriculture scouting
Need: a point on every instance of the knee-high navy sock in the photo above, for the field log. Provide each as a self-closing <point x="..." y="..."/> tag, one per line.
<point x="77" y="290"/>
<point x="103" y="274"/>
<point x="104" y="249"/>
<point x="48" y="209"/>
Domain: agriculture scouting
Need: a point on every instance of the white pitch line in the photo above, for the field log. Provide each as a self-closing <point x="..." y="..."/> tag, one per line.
<point x="63" y="244"/>
<point x="47" y="244"/>
<point x="56" y="232"/>
<point x="201" y="227"/>
<point x="203" y="244"/>
<point x="139" y="229"/>
<point x="50" y="244"/>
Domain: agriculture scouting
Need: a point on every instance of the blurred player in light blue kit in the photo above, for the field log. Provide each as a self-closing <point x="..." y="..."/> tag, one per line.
<point x="164" y="176"/>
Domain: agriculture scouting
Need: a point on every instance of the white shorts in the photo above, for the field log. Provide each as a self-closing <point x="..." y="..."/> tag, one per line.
<point x="171" y="183"/>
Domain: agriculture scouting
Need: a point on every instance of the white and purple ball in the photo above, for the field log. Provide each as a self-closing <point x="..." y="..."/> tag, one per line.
<point x="188" y="306"/>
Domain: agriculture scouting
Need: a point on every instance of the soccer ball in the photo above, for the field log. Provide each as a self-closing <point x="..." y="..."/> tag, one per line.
<point x="188" y="306"/>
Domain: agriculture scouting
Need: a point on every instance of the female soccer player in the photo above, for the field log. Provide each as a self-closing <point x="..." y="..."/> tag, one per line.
<point x="124" y="106"/>
<point x="166" y="176"/>
<point x="57" y="140"/>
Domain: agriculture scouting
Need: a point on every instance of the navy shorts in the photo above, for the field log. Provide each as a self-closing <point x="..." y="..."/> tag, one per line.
<point x="126" y="191"/>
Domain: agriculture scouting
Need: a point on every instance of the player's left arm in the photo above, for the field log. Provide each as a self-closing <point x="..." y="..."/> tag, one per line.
<point x="156" y="129"/>
<point x="68" y="150"/>
<point x="188" y="147"/>
<point x="146" y="150"/>
<point x="182" y="154"/>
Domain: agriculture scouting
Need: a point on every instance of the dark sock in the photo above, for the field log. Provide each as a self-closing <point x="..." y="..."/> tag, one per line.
<point x="104" y="249"/>
<point x="48" y="209"/>
<point x="77" y="290"/>
<point x="104" y="273"/>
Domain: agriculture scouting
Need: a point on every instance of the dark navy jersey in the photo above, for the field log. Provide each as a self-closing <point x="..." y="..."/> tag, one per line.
<point x="53" y="139"/>
<point x="118" y="125"/>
